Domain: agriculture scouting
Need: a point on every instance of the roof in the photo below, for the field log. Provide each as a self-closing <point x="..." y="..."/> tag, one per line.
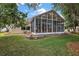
<point x="47" y="12"/>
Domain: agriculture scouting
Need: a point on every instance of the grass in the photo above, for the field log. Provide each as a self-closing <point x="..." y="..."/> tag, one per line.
<point x="19" y="45"/>
<point x="2" y="34"/>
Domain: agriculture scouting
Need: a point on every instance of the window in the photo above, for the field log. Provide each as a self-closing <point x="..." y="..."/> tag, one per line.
<point x="28" y="28"/>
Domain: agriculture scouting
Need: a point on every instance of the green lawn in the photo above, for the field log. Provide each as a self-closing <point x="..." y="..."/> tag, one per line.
<point x="19" y="45"/>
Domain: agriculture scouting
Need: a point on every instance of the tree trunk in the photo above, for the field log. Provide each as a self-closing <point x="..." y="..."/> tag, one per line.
<point x="74" y="29"/>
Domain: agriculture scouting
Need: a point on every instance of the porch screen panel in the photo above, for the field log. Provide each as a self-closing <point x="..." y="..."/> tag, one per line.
<point x="32" y="26"/>
<point x="49" y="25"/>
<point x="44" y="27"/>
<point x="54" y="26"/>
<point x="38" y="25"/>
<point x="62" y="26"/>
<point x="58" y="26"/>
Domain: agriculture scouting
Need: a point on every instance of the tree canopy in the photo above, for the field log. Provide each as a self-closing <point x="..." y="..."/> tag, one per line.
<point x="10" y="15"/>
<point x="70" y="12"/>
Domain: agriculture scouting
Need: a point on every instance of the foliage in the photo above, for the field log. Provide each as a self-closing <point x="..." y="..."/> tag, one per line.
<point x="70" y="13"/>
<point x="33" y="5"/>
<point x="10" y="15"/>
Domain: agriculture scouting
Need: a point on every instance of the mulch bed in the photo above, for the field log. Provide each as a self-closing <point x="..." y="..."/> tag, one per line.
<point x="73" y="47"/>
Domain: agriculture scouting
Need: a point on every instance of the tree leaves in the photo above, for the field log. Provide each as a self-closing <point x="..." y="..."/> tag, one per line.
<point x="10" y="15"/>
<point x="70" y="12"/>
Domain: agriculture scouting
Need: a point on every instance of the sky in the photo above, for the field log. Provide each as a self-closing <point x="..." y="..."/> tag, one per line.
<point x="43" y="7"/>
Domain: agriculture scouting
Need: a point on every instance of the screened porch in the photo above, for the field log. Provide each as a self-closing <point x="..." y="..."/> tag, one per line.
<point x="47" y="23"/>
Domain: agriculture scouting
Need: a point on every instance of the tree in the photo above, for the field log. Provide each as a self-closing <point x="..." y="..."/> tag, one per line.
<point x="33" y="5"/>
<point x="10" y="15"/>
<point x="70" y="13"/>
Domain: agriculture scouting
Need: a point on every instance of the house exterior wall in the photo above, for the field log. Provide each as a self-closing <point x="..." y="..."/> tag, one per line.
<point x="77" y="29"/>
<point x="48" y="23"/>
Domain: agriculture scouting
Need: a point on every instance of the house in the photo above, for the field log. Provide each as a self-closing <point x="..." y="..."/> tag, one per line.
<point x="77" y="29"/>
<point x="47" y="23"/>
